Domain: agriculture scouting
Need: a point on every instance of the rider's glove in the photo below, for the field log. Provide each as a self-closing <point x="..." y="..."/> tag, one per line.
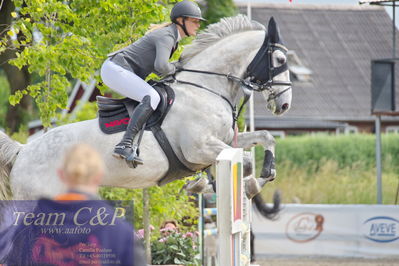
<point x="178" y="66"/>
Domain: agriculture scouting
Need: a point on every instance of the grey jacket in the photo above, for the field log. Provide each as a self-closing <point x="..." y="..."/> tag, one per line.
<point x="150" y="53"/>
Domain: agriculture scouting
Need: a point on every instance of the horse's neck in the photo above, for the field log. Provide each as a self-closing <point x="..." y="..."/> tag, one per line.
<point x="231" y="55"/>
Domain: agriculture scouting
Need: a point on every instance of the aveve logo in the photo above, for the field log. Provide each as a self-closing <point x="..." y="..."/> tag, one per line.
<point x="381" y="229"/>
<point x="304" y="227"/>
<point x="117" y="122"/>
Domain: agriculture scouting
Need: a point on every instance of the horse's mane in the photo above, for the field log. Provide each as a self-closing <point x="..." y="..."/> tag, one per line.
<point x="217" y="31"/>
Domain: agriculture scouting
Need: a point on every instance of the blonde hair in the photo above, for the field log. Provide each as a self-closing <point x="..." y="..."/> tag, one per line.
<point x="81" y="164"/>
<point x="158" y="26"/>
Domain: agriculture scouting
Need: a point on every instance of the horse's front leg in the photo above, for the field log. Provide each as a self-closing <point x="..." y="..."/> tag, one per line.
<point x="203" y="152"/>
<point x="263" y="137"/>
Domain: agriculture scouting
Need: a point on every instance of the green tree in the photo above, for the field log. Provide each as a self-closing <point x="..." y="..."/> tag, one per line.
<point x="217" y="9"/>
<point x="169" y="202"/>
<point x="65" y="40"/>
<point x="11" y="116"/>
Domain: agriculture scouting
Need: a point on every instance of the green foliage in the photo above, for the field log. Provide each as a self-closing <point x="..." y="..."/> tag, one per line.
<point x="331" y="184"/>
<point x="346" y="150"/>
<point x="175" y="249"/>
<point x="21" y="135"/>
<point x="241" y="119"/>
<point x="217" y="9"/>
<point x="74" y="38"/>
<point x="179" y="50"/>
<point x="169" y="202"/>
<point x="88" y="111"/>
<point x="4" y="93"/>
<point x="333" y="169"/>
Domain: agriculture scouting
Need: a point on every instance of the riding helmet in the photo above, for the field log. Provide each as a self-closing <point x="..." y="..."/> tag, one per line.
<point x="186" y="8"/>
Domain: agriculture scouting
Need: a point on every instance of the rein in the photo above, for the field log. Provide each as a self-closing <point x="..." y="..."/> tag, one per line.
<point x="233" y="107"/>
<point x="244" y="83"/>
<point x="247" y="84"/>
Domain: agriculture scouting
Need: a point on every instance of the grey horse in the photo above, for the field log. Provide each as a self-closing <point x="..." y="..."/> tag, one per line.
<point x="198" y="126"/>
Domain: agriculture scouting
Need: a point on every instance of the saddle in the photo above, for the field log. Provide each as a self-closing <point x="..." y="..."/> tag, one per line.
<point x="114" y="116"/>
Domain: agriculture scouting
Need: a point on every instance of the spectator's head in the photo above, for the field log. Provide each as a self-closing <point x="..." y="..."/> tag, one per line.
<point x="168" y="227"/>
<point x="82" y="168"/>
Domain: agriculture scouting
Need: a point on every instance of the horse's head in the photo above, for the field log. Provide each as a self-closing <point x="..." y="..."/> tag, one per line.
<point x="269" y="71"/>
<point x="223" y="51"/>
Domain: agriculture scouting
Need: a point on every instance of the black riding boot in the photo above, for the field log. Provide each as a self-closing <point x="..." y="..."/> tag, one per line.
<point x="140" y="115"/>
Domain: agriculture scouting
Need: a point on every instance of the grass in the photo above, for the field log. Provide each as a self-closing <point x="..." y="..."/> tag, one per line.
<point x="333" y="170"/>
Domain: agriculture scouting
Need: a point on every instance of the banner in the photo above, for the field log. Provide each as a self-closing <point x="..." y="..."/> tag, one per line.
<point x="370" y="231"/>
<point x="67" y="232"/>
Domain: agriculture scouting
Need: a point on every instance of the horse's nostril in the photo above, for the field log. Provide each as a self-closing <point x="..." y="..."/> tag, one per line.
<point x="285" y="106"/>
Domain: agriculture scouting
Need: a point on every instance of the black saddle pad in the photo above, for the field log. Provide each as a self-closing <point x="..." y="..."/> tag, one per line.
<point x="114" y="114"/>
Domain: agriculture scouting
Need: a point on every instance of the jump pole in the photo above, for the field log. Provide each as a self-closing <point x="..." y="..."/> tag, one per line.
<point x="233" y="210"/>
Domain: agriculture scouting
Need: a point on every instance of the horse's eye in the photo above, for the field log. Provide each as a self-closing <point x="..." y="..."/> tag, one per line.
<point x="281" y="60"/>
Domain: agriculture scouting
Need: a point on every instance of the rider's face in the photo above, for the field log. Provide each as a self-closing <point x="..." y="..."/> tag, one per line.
<point x="192" y="25"/>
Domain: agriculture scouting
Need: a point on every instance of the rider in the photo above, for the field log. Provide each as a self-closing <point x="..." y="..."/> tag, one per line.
<point x="125" y="70"/>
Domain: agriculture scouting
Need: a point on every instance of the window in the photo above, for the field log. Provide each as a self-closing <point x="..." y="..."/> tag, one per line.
<point x="351" y="130"/>
<point x="392" y="129"/>
<point x="297" y="70"/>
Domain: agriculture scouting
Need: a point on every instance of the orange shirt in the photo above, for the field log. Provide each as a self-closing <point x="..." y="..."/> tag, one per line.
<point x="70" y="196"/>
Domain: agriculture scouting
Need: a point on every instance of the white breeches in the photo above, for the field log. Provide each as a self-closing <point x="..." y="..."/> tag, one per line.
<point x="127" y="83"/>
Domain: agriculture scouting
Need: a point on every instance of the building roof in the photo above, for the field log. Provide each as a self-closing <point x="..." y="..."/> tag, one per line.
<point x="336" y="43"/>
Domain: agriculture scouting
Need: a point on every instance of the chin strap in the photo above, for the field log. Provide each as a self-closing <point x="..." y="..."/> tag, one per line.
<point x="183" y="26"/>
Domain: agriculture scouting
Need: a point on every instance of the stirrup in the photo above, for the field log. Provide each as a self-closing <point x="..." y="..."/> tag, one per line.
<point x="122" y="151"/>
<point x="133" y="157"/>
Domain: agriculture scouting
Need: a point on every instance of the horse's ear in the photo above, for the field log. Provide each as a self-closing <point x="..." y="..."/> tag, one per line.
<point x="273" y="31"/>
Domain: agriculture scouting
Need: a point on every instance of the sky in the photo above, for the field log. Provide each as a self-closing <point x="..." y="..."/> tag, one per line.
<point x="307" y="1"/>
<point x="325" y="2"/>
<point x="329" y="2"/>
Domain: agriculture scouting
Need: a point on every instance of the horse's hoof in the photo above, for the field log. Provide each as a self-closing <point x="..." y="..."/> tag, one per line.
<point x="247" y="164"/>
<point x="272" y="176"/>
<point x="262" y="181"/>
<point x="197" y="186"/>
<point x="252" y="187"/>
<point x="208" y="189"/>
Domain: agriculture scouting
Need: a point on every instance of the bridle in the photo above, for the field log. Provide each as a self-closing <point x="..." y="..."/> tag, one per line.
<point x="250" y="81"/>
<point x="253" y="80"/>
<point x="274" y="72"/>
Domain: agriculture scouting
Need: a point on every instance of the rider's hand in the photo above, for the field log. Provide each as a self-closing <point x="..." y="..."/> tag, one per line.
<point x="178" y="66"/>
<point x="169" y="78"/>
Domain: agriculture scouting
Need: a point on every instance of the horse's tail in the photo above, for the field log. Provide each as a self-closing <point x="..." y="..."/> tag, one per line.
<point x="8" y="153"/>
<point x="266" y="211"/>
